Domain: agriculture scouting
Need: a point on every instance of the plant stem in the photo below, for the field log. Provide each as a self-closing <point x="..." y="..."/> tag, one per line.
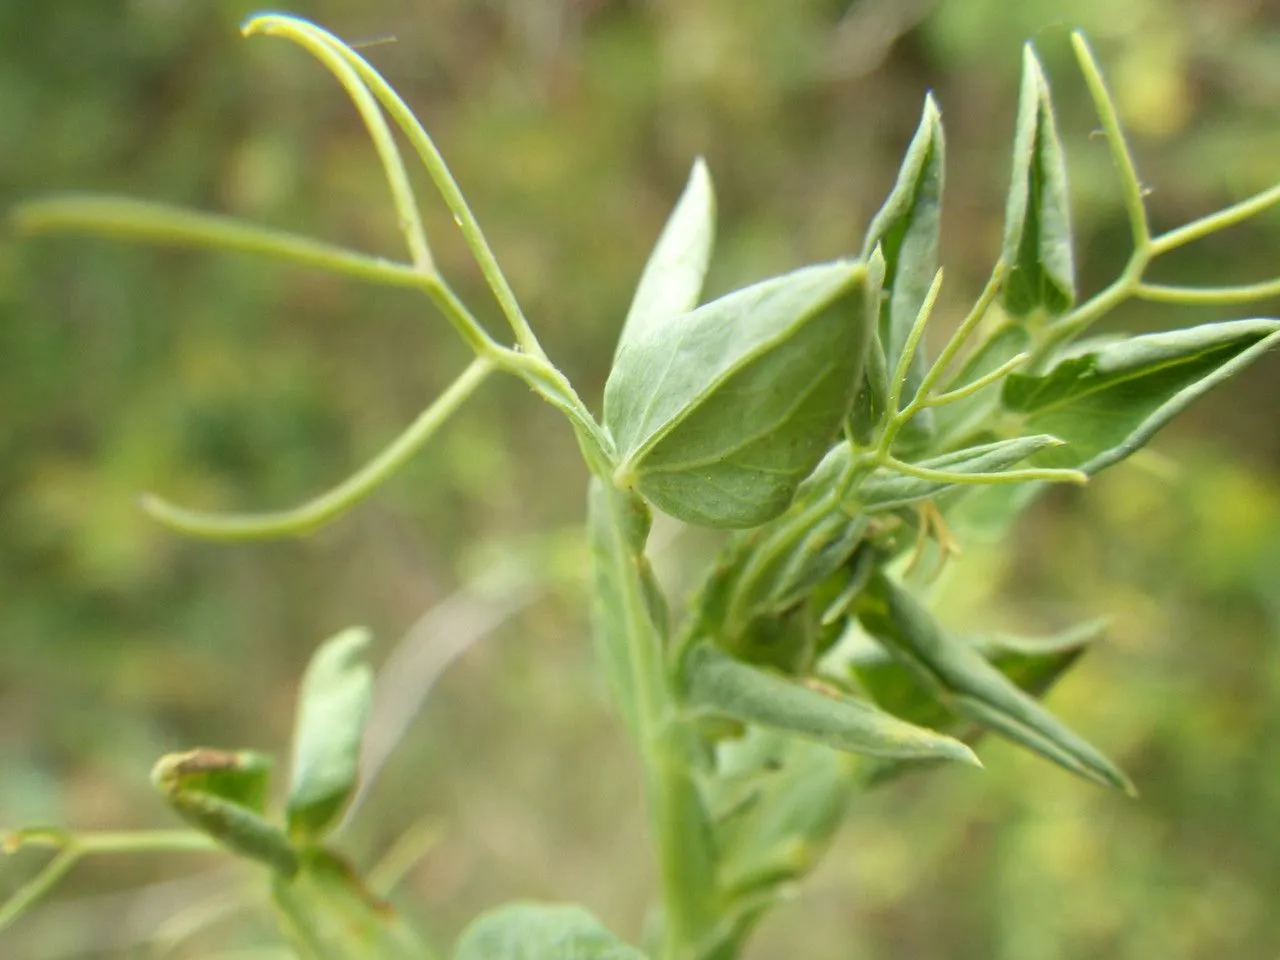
<point x="1008" y="476"/>
<point x="973" y="386"/>
<point x="72" y="847"/>
<point x="1228" y="217"/>
<point x="1243" y="293"/>
<point x="316" y="42"/>
<point x="677" y="819"/>
<point x="434" y="162"/>
<point x="961" y="336"/>
<point x="1121" y="156"/>
<point x="318" y="511"/>
<point x="912" y="343"/>
<point x="149" y="222"/>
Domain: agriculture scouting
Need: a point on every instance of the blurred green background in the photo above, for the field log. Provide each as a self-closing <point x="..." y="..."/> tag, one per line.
<point x="227" y="383"/>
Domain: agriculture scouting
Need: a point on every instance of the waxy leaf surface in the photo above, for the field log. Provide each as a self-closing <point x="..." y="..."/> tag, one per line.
<point x="967" y="684"/>
<point x="1106" y="400"/>
<point x="718" y="414"/>
<point x="870" y="403"/>
<point x="1037" y="229"/>
<point x="1033" y="664"/>
<point x="716" y="683"/>
<point x="333" y="705"/>
<point x="907" y="230"/>
<point x="536" y="931"/>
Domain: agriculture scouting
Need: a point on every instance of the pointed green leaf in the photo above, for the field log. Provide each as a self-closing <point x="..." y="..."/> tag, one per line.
<point x="673" y="277"/>
<point x="333" y="705"/>
<point x="907" y="229"/>
<point x="886" y="490"/>
<point x="1107" y="400"/>
<point x="965" y="683"/>
<point x="1034" y="665"/>
<point x="328" y="913"/>
<point x="1037" y="227"/>
<point x="536" y="931"/>
<point x="870" y="404"/>
<point x="223" y="794"/>
<point x="716" y="683"/>
<point x="718" y="414"/>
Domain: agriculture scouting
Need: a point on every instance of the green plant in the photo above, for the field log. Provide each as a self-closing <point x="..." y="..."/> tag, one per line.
<point x="802" y="414"/>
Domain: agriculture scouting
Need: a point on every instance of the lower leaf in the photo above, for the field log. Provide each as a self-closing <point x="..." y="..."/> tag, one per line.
<point x="536" y="931"/>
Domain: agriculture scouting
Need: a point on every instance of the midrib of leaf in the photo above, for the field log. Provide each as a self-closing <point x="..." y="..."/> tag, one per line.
<point x="747" y="441"/>
<point x="1110" y="382"/>
<point x="836" y="293"/>
<point x="643" y="420"/>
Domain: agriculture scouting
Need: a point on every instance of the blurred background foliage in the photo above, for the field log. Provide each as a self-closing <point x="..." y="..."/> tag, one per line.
<point x="228" y="383"/>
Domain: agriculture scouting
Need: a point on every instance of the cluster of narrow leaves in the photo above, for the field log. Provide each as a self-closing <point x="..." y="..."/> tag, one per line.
<point x="802" y="415"/>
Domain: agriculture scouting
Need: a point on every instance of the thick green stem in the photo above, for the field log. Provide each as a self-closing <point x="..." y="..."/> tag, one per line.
<point x="635" y="641"/>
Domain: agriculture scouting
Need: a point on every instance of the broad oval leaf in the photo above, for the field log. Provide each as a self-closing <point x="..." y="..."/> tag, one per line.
<point x="673" y="276"/>
<point x="1108" y="399"/>
<point x="714" y="682"/>
<point x="907" y="230"/>
<point x="333" y="705"/>
<point x="966" y="684"/>
<point x="1037" y="227"/>
<point x="223" y="793"/>
<point x="538" y="931"/>
<point x="718" y="414"/>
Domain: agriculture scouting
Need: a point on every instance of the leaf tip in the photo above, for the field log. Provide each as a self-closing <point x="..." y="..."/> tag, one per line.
<point x="966" y="755"/>
<point x="932" y="114"/>
<point x="1033" y="75"/>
